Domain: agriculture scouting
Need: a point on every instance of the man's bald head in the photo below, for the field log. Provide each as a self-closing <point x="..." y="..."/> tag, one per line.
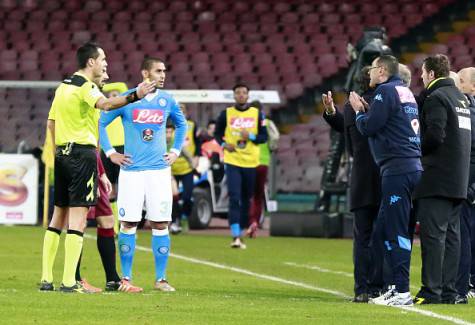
<point x="455" y="78"/>
<point x="467" y="80"/>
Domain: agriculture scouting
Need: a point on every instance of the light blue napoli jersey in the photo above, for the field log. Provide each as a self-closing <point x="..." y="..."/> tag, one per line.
<point x="144" y="124"/>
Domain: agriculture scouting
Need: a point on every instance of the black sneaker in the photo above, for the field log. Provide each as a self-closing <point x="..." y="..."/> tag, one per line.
<point x="46" y="286"/>
<point x="461" y="300"/>
<point x="418" y="300"/>
<point x="77" y="288"/>
<point x="361" y="298"/>
<point x="457" y="300"/>
<point x="112" y="286"/>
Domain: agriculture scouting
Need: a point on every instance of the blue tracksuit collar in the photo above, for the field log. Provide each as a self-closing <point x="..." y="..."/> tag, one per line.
<point x="394" y="78"/>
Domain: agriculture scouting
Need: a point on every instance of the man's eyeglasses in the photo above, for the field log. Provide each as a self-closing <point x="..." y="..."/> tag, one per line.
<point x="371" y="68"/>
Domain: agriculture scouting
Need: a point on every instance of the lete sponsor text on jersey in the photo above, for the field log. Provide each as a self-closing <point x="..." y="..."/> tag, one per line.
<point x="243" y="122"/>
<point x="148" y="116"/>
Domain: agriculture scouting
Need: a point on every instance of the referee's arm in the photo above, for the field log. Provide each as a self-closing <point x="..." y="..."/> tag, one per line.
<point x="107" y="104"/>
<point x="50" y="127"/>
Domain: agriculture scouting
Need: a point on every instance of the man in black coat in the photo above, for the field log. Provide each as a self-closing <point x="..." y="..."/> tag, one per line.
<point x="365" y="194"/>
<point x="465" y="82"/>
<point x="446" y="137"/>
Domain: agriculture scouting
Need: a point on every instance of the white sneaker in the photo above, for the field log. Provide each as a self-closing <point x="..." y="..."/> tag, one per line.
<point x="163" y="285"/>
<point x="237" y="243"/>
<point x="394" y="298"/>
<point x="383" y="296"/>
<point x="175" y="228"/>
<point x="471" y="293"/>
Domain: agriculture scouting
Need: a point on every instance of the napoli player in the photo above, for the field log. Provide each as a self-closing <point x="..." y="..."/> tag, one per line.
<point x="145" y="171"/>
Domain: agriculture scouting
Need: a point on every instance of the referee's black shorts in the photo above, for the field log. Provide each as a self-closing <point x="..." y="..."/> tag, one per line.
<point x="75" y="176"/>
<point x="112" y="170"/>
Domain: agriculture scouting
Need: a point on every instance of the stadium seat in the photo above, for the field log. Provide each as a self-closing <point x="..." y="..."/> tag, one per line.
<point x="280" y="45"/>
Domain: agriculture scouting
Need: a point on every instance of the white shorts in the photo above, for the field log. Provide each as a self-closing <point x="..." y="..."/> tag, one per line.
<point x="150" y="186"/>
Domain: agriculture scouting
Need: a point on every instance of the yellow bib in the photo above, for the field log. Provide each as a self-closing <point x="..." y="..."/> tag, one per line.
<point x="181" y="166"/>
<point x="115" y="132"/>
<point x="247" y="152"/>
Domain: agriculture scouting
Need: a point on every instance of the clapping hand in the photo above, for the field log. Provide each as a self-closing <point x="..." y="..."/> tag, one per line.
<point x="357" y="103"/>
<point x="328" y="103"/>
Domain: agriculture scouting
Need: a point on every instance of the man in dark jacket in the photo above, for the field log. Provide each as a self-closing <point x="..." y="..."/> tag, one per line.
<point x="446" y="137"/>
<point x="365" y="193"/>
<point x="465" y="82"/>
<point x="393" y="130"/>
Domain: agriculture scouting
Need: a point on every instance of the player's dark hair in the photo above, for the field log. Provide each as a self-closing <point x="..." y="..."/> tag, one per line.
<point x="240" y="85"/>
<point x="148" y="62"/>
<point x="438" y="63"/>
<point x="390" y="63"/>
<point x="211" y="122"/>
<point x="88" y="51"/>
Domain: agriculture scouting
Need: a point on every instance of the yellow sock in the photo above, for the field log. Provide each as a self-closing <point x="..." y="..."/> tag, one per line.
<point x="72" y="251"/>
<point x="50" y="247"/>
<point x="116" y="218"/>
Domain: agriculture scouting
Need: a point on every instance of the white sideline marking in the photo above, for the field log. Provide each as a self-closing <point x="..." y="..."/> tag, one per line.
<point x="438" y="316"/>
<point x="256" y="275"/>
<point x="323" y="270"/>
<point x="294" y="283"/>
<point x="319" y="269"/>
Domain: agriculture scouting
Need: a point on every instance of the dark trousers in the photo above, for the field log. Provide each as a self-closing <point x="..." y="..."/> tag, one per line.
<point x="187" y="186"/>
<point x="367" y="257"/>
<point x="394" y="220"/>
<point x="439" y="220"/>
<point x="240" y="190"/>
<point x="259" y="195"/>
<point x="472" y="242"/>
<point x="465" y="264"/>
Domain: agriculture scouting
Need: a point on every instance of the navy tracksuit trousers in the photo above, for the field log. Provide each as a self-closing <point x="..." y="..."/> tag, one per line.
<point x="241" y="183"/>
<point x="394" y="224"/>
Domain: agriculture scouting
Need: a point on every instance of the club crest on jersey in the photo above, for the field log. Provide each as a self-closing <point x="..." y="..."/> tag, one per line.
<point x="162" y="102"/>
<point x="415" y="125"/>
<point x="242" y="122"/>
<point x="147" y="116"/>
<point x="147" y="135"/>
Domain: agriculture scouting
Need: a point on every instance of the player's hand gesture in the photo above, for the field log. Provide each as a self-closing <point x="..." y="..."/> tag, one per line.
<point x="120" y="159"/>
<point x="328" y="103"/>
<point x="145" y="88"/>
<point x="170" y="158"/>
<point x="107" y="184"/>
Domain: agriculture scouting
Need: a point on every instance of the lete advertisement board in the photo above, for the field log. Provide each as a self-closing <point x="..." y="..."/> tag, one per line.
<point x="18" y="189"/>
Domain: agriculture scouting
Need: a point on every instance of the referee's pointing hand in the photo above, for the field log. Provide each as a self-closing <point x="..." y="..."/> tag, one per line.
<point x="145" y="88"/>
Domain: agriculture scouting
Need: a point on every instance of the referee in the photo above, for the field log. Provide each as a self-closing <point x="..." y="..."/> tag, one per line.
<point x="75" y="130"/>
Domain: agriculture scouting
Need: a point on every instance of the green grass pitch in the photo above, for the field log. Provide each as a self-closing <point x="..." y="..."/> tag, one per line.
<point x="207" y="293"/>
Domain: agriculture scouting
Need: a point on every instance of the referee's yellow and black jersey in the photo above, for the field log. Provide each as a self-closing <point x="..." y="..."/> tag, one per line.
<point x="74" y="112"/>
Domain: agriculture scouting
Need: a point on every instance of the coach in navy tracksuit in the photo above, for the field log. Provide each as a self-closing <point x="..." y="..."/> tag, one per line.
<point x="392" y="126"/>
<point x="365" y="194"/>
